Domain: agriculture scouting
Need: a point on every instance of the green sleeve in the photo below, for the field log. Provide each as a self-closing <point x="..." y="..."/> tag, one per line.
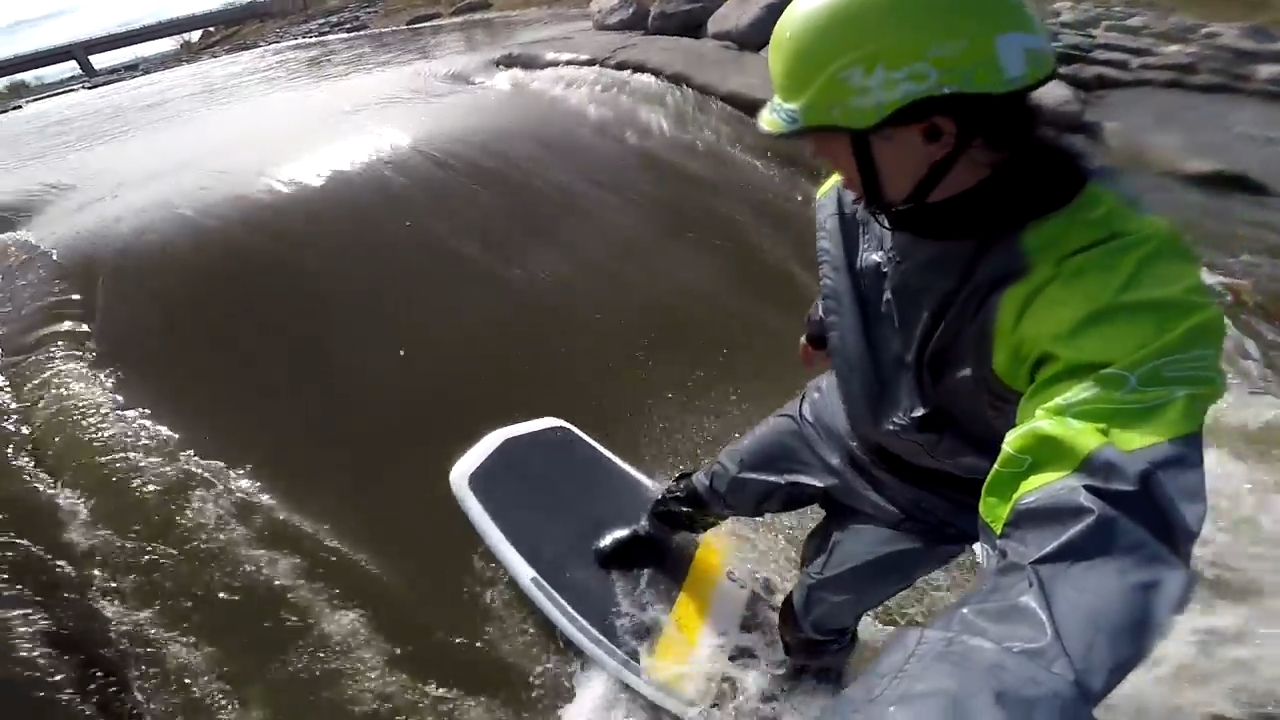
<point x="1114" y="343"/>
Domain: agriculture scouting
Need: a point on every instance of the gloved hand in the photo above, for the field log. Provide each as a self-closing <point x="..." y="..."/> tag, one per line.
<point x="810" y="355"/>
<point x="680" y="508"/>
<point x="813" y="344"/>
<point x="635" y="547"/>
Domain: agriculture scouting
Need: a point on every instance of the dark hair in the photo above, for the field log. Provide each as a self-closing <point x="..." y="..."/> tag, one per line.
<point x="1003" y="123"/>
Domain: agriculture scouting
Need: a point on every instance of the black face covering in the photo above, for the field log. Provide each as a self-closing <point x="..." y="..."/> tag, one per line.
<point x="1031" y="183"/>
<point x="873" y="192"/>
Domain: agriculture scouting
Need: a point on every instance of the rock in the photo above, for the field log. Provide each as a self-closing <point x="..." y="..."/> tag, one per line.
<point x="1257" y="33"/>
<point x="1060" y="105"/>
<point x="1182" y="49"/>
<point x="1269" y="89"/>
<point x="1157" y="78"/>
<point x="424" y="17"/>
<point x="681" y="18"/>
<point x="1073" y="48"/>
<point x="1108" y="58"/>
<point x="1079" y="19"/>
<point x="746" y="23"/>
<point x="466" y="7"/>
<point x="1179" y="63"/>
<point x="1132" y="26"/>
<point x="1095" y="77"/>
<point x="1070" y="56"/>
<point x="1177" y="30"/>
<point x="1072" y="38"/>
<point x="619" y="15"/>
<point x="1119" y="13"/>
<point x="1126" y="44"/>
<point x="1216" y="61"/>
<point x="1267" y="75"/>
<point x="1205" y="83"/>
<point x="1210" y="32"/>
<point x="1243" y="48"/>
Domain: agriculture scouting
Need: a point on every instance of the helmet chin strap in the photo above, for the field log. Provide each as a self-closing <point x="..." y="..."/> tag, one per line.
<point x="868" y="172"/>
<point x="873" y="198"/>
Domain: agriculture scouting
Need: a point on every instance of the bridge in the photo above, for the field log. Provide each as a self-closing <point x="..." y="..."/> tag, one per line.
<point x="80" y="50"/>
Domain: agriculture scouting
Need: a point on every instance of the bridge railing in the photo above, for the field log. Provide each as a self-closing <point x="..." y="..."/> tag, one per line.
<point x="247" y="11"/>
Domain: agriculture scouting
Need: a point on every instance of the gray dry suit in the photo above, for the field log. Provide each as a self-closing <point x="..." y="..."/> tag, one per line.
<point x="1028" y="364"/>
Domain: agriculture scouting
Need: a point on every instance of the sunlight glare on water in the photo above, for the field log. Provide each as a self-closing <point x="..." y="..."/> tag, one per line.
<point x="347" y="155"/>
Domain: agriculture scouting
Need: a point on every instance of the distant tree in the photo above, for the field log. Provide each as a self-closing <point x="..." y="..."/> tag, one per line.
<point x="187" y="43"/>
<point x="15" y="89"/>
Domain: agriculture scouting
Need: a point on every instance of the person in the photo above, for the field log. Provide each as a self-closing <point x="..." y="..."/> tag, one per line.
<point x="1016" y="354"/>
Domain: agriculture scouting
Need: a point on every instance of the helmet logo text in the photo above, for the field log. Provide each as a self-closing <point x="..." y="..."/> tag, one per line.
<point x="786" y="114"/>
<point x="881" y="86"/>
<point x="1013" y="48"/>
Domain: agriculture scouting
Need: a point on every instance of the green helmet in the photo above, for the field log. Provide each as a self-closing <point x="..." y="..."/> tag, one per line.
<point x="851" y="63"/>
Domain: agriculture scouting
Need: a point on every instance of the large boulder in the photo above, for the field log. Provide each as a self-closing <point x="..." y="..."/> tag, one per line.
<point x="619" y="15"/>
<point x="425" y="16"/>
<point x="1268" y="75"/>
<point x="681" y="18"/>
<point x="466" y="7"/>
<point x="746" y="23"/>
<point x="1245" y="44"/>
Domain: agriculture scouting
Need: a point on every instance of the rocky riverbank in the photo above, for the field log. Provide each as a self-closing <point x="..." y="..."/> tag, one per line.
<point x="1102" y="48"/>
<point x="719" y="47"/>
<point x="1099" y="47"/>
<point x="333" y="20"/>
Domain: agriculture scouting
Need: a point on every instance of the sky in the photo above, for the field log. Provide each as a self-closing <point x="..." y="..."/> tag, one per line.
<point x="33" y="24"/>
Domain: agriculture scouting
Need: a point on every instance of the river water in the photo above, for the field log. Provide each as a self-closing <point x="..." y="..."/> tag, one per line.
<point x="252" y="309"/>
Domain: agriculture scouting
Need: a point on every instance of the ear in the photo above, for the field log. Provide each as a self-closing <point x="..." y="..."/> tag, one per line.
<point x="938" y="134"/>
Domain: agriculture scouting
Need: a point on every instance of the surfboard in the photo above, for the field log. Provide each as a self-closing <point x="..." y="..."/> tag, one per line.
<point x="540" y="493"/>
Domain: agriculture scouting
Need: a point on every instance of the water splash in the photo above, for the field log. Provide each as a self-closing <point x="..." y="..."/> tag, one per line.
<point x="647" y="107"/>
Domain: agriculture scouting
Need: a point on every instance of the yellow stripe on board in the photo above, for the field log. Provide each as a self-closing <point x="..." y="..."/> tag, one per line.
<point x="670" y="663"/>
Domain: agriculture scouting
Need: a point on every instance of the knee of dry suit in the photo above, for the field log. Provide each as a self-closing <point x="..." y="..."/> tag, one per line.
<point x="809" y="652"/>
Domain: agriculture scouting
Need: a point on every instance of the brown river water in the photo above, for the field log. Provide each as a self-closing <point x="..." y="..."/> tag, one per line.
<point x="252" y="309"/>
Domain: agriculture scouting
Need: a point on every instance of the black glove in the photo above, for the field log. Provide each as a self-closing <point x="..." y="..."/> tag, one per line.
<point x="636" y="547"/>
<point x="815" y="327"/>
<point x="680" y="508"/>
